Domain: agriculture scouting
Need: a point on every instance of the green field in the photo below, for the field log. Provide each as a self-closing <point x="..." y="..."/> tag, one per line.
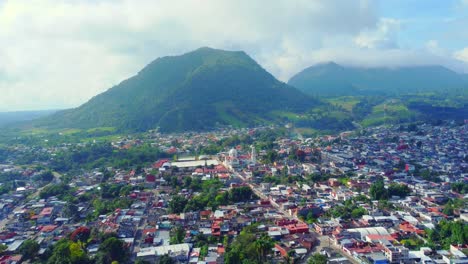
<point x="345" y="102"/>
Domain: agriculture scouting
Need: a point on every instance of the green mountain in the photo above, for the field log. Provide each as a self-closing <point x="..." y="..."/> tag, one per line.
<point x="331" y="79"/>
<point x="195" y="91"/>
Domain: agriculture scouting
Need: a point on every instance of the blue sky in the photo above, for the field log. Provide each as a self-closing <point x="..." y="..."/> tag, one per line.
<point x="60" y="53"/>
<point x="442" y="21"/>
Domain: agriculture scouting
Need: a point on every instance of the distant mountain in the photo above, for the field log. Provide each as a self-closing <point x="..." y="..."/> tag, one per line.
<point x="331" y="79"/>
<point x="195" y="91"/>
<point x="7" y="118"/>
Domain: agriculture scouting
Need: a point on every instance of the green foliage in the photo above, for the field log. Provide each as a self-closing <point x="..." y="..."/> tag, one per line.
<point x="9" y="181"/>
<point x="177" y="204"/>
<point x="111" y="191"/>
<point x="29" y="249"/>
<point x="106" y="206"/>
<point x="101" y="155"/>
<point x="249" y="247"/>
<point x="270" y="157"/>
<point x="395" y="189"/>
<point x="448" y="233"/>
<point x="460" y="187"/>
<point x="240" y="194"/>
<point x="113" y="249"/>
<point x="331" y="79"/>
<point x="317" y="258"/>
<point x="448" y="208"/>
<point x="413" y="243"/>
<point x="66" y="251"/>
<point x="59" y="190"/>
<point x="177" y="235"/>
<point x="194" y="91"/>
<point x="204" y="251"/>
<point x="211" y="197"/>
<point x="46" y="176"/>
<point x="142" y="261"/>
<point x="378" y="191"/>
<point x="3" y="247"/>
<point x="347" y="211"/>
<point x="166" y="259"/>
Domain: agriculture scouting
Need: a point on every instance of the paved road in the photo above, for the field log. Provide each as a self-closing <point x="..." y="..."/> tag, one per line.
<point x="324" y="241"/>
<point x="6" y="220"/>
<point x="260" y="194"/>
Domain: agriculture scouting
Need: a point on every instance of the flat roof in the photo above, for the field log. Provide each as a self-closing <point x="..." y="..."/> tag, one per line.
<point x="194" y="163"/>
<point x="162" y="250"/>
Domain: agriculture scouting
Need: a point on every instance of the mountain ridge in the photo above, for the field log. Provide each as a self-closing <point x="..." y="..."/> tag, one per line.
<point x="331" y="79"/>
<point x="193" y="91"/>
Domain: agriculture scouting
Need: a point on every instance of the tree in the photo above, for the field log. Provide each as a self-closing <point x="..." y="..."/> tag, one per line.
<point x="263" y="247"/>
<point x="81" y="234"/>
<point x="232" y="257"/>
<point x="448" y="208"/>
<point x="400" y="190"/>
<point x="178" y="235"/>
<point x="60" y="253"/>
<point x="113" y="249"/>
<point x="166" y="259"/>
<point x="271" y="156"/>
<point x="358" y="212"/>
<point x="70" y="210"/>
<point x="377" y="190"/>
<point x="141" y="261"/>
<point x="29" y="249"/>
<point x="77" y="253"/>
<point x="177" y="204"/>
<point x="3" y="248"/>
<point x="317" y="258"/>
<point x="240" y="194"/>
<point x="46" y="176"/>
<point x="448" y="233"/>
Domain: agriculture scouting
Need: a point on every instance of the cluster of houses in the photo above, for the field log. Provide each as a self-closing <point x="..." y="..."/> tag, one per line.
<point x="293" y="213"/>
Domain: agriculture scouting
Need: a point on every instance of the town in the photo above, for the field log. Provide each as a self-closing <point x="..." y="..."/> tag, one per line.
<point x="387" y="194"/>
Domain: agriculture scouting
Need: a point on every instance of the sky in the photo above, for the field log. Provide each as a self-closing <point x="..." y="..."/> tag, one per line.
<point x="57" y="54"/>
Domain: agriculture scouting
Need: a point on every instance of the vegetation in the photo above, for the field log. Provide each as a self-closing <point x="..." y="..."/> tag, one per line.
<point x="100" y="155"/>
<point x="195" y="91"/>
<point x="29" y="249"/>
<point x="72" y="251"/>
<point x="210" y="196"/>
<point x="249" y="247"/>
<point x="378" y="191"/>
<point x="447" y="233"/>
<point x="331" y="79"/>
<point x="348" y="210"/>
<point x="317" y="258"/>
<point x="460" y="187"/>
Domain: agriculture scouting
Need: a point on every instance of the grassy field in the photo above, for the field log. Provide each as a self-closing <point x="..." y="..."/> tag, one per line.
<point x="345" y="102"/>
<point x="391" y="111"/>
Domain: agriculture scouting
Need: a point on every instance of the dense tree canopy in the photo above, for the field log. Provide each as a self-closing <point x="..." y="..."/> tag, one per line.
<point x="448" y="233"/>
<point x="378" y="191"/>
<point x="29" y="249"/>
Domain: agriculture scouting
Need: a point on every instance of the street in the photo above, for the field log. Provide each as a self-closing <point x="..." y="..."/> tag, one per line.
<point x="5" y="221"/>
<point x="323" y="241"/>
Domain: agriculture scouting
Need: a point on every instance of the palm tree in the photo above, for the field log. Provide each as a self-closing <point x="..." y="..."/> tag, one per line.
<point x="263" y="247"/>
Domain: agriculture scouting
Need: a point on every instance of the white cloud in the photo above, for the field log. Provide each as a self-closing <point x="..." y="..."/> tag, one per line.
<point x="461" y="55"/>
<point x="384" y="36"/>
<point x="56" y="53"/>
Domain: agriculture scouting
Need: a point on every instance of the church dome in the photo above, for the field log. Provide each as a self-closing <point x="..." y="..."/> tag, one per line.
<point x="233" y="153"/>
